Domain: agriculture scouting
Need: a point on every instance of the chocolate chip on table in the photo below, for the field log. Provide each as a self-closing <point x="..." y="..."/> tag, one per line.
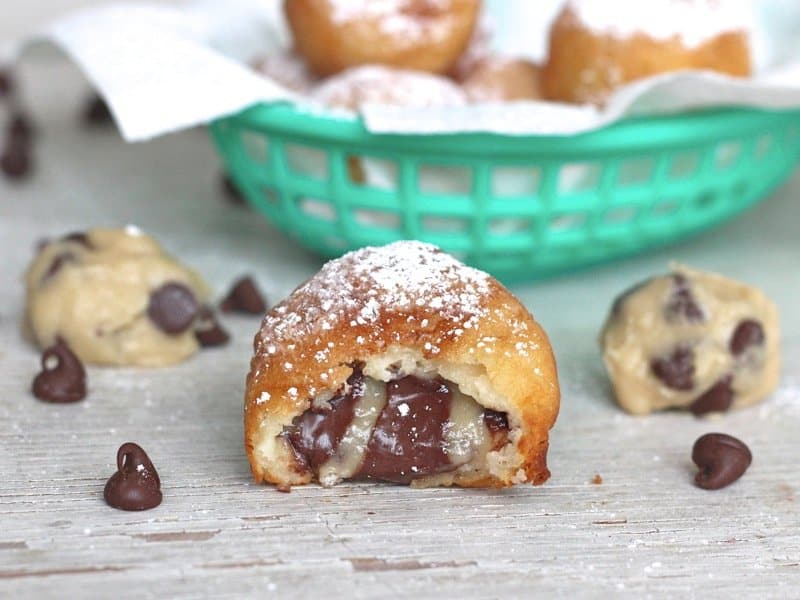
<point x="747" y="334"/>
<point x="718" y="398"/>
<point x="6" y="83"/>
<point x="16" y="161"/>
<point x="208" y="331"/>
<point x="62" y="382"/>
<point x="97" y="112"/>
<point x="232" y="193"/>
<point x="172" y="308"/>
<point x="135" y="485"/>
<point x="682" y="304"/>
<point x="676" y="370"/>
<point x="244" y="297"/>
<point x="20" y="128"/>
<point x="721" y="458"/>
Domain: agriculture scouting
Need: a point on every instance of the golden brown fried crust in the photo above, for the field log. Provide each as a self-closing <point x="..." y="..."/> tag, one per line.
<point x="409" y="295"/>
<point x="586" y="66"/>
<point x="423" y="35"/>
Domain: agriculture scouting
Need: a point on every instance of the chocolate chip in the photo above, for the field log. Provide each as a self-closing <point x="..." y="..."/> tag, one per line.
<point x="135" y="485"/>
<point x="63" y="382"/>
<point x="718" y="398"/>
<point x="208" y="331"/>
<point x="747" y="334"/>
<point x="6" y="83"/>
<point x="682" y="305"/>
<point x="721" y="458"/>
<point x="620" y="300"/>
<point x="20" y="128"/>
<point x="676" y="370"/>
<point x="57" y="264"/>
<point x="244" y="297"/>
<point x="79" y="238"/>
<point x="232" y="193"/>
<point x="97" y="112"/>
<point x="495" y="421"/>
<point x="16" y="161"/>
<point x="172" y="308"/>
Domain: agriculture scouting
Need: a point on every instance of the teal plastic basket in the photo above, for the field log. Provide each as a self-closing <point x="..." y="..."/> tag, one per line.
<point x="518" y="207"/>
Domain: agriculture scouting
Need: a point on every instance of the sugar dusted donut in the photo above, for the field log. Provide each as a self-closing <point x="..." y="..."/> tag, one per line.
<point x="424" y="35"/>
<point x="288" y="69"/>
<point x="400" y="364"/>
<point x="383" y="85"/>
<point x="502" y="79"/>
<point x="597" y="46"/>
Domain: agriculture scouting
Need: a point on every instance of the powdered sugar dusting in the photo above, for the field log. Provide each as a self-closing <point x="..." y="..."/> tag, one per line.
<point x="374" y="84"/>
<point x="365" y="286"/>
<point x="405" y="20"/>
<point x="693" y="21"/>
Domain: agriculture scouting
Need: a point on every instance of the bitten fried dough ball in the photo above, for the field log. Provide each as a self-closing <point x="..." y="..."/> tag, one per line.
<point x="597" y="47"/>
<point x="400" y="364"/>
<point x="423" y="35"/>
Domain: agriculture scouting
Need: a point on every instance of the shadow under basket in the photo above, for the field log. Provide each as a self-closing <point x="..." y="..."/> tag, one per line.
<point x="521" y="208"/>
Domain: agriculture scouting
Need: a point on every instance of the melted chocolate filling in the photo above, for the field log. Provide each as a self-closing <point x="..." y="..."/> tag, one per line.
<point x="316" y="433"/>
<point x="409" y="437"/>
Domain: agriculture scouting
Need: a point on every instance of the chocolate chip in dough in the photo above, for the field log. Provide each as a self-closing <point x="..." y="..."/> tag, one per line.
<point x="244" y="297"/>
<point x="747" y="334"/>
<point x="79" y="238"/>
<point x="16" y="162"/>
<point x="676" y="370"/>
<point x="97" y="112"/>
<point x="230" y="190"/>
<point x="135" y="485"/>
<point x="58" y="262"/>
<point x="682" y="304"/>
<point x="718" y="398"/>
<point x="208" y="331"/>
<point x="619" y="301"/>
<point x="63" y="378"/>
<point x="721" y="458"/>
<point x="172" y="308"/>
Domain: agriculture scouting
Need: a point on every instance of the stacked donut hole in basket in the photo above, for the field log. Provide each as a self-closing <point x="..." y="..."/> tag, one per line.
<point x="439" y="53"/>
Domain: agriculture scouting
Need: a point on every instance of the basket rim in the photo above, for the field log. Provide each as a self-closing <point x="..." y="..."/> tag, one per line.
<point x="660" y="132"/>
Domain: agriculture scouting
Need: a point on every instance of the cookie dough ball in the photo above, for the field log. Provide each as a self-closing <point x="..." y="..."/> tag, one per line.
<point x="115" y="297"/>
<point x="503" y="79"/>
<point x="424" y="35"/>
<point x="691" y="340"/>
<point x="596" y="47"/>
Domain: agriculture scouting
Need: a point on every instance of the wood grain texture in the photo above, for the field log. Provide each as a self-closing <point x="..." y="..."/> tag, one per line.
<point x="645" y="531"/>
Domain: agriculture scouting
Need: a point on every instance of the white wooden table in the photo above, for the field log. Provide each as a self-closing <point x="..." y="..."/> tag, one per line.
<point x="645" y="531"/>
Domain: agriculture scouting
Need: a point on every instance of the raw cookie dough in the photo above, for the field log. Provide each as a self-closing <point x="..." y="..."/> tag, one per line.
<point x="691" y="340"/>
<point x="115" y="297"/>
